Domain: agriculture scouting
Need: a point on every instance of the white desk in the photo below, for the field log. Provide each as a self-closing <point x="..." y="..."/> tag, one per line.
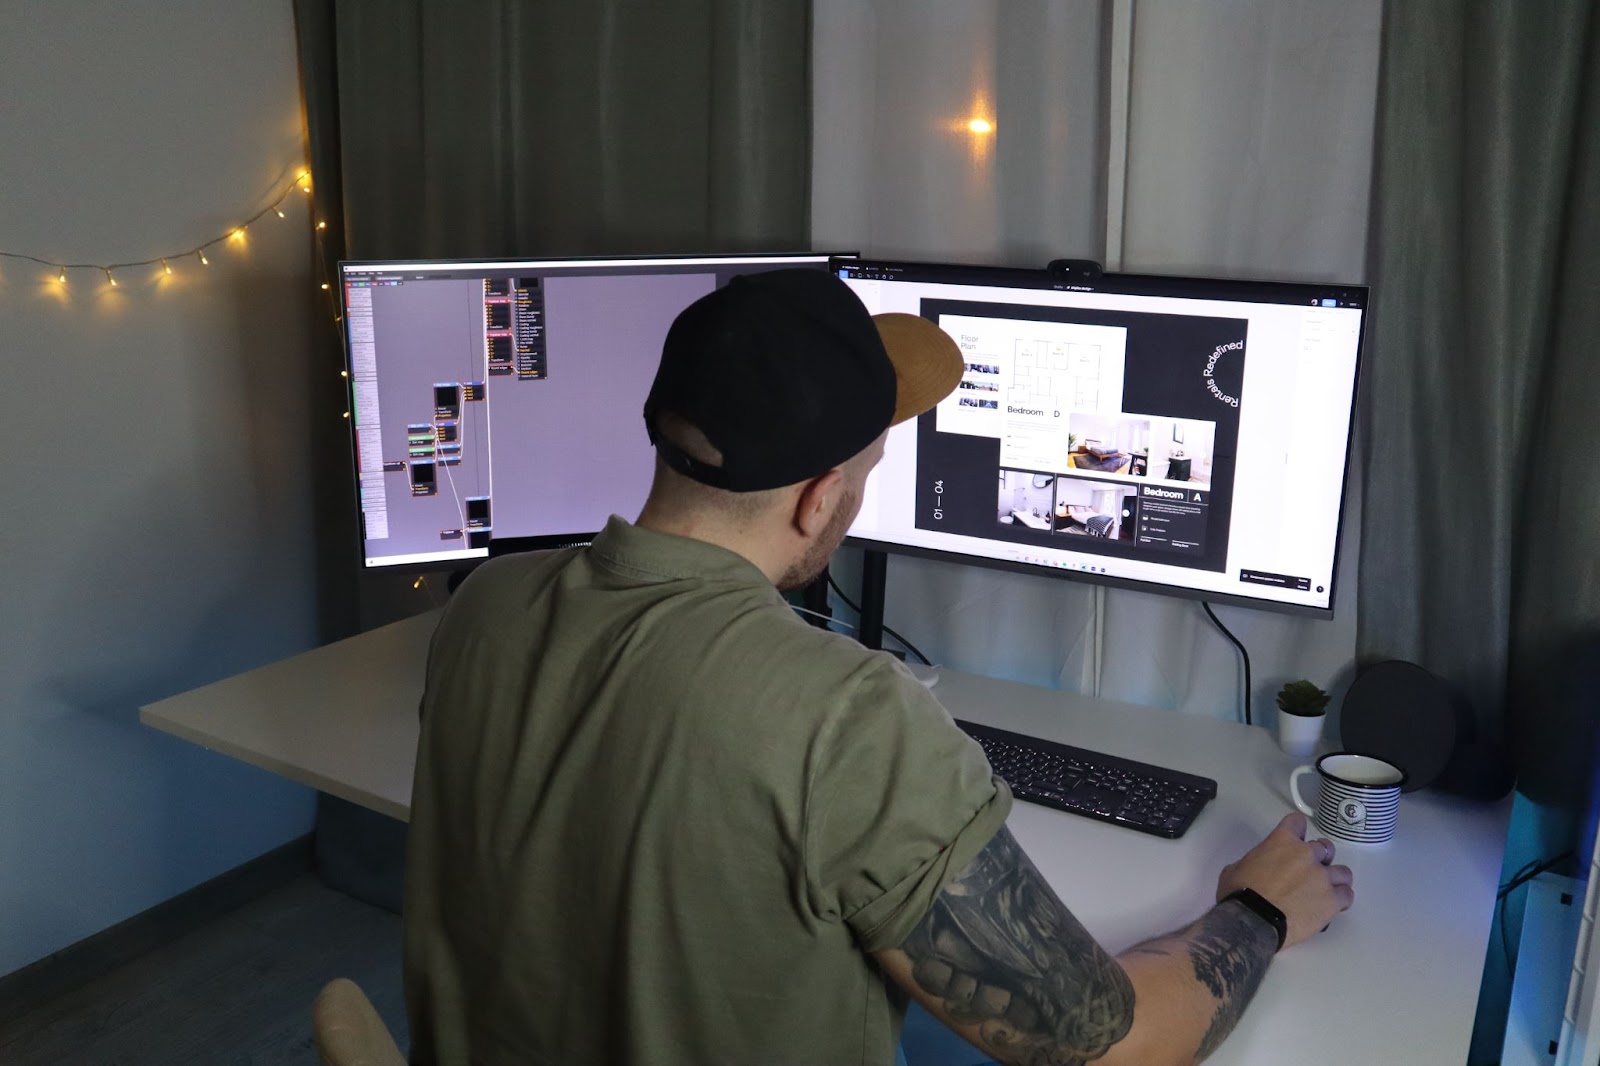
<point x="1394" y="981"/>
<point x="341" y="718"/>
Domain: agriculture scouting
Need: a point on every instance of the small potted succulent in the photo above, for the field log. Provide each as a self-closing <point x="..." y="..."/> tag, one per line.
<point x="1301" y="709"/>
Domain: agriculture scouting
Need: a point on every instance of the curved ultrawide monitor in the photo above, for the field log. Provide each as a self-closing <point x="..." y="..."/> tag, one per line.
<point x="503" y="399"/>
<point x="1177" y="435"/>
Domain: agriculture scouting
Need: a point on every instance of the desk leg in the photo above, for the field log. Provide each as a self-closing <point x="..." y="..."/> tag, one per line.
<point x="361" y="853"/>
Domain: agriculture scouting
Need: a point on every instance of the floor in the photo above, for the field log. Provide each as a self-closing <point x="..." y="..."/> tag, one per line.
<point x="238" y="993"/>
<point x="235" y="993"/>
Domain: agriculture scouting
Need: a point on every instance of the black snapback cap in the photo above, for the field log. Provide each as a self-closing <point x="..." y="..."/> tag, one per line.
<point x="788" y="376"/>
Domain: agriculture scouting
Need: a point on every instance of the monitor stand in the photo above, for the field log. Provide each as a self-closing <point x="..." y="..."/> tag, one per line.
<point x="869" y="627"/>
<point x="874" y="575"/>
<point x="814" y="598"/>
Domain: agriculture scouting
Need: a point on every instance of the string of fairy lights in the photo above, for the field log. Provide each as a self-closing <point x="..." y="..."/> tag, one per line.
<point x="301" y="183"/>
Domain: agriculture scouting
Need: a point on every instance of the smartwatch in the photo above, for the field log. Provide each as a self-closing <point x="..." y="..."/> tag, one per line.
<point x="1253" y="901"/>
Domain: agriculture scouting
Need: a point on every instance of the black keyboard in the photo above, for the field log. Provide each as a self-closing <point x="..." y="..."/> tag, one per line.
<point x="1138" y="795"/>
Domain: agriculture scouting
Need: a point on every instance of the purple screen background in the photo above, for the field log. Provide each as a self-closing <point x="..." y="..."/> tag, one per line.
<point x="568" y="450"/>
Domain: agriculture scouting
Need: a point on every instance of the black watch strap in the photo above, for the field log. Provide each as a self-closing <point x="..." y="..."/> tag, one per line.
<point x="1252" y="900"/>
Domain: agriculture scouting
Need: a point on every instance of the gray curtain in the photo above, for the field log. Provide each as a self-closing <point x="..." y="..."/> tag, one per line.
<point x="1481" y="530"/>
<point x="445" y="128"/>
<point x="1258" y="166"/>
<point x="499" y="127"/>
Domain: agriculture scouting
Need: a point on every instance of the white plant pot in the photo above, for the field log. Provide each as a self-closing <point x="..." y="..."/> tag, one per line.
<point x="1299" y="734"/>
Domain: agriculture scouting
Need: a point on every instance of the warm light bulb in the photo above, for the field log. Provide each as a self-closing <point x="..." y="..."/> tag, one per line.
<point x="166" y="266"/>
<point x="324" y="286"/>
<point x="322" y="225"/>
<point x="344" y="373"/>
<point x="111" y="279"/>
<point x="417" y="584"/>
<point x="203" y="260"/>
<point x="280" y="212"/>
<point x="62" y="277"/>
<point x="238" y="234"/>
<point x="980" y="125"/>
<point x="347" y="414"/>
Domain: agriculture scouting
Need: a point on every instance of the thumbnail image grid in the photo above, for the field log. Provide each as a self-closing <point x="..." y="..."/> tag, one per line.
<point x="1070" y="506"/>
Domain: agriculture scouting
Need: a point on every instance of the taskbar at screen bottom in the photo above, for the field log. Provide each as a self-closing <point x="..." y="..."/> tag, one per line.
<point x="427" y="558"/>
<point x="1108" y="572"/>
<point x="497" y="547"/>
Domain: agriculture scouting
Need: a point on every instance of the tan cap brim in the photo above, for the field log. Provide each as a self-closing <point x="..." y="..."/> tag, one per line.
<point x="927" y="363"/>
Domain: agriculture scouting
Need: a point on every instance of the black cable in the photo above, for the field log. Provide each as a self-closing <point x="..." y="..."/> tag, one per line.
<point x="1505" y="938"/>
<point x="848" y="602"/>
<point x="908" y="646"/>
<point x="1524" y="875"/>
<point x="904" y="643"/>
<point x="1511" y="881"/>
<point x="1528" y="872"/>
<point x="1248" y="719"/>
<point x="1500" y="913"/>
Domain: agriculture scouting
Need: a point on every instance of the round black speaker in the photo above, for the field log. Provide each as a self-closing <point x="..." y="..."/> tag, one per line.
<point x="1404" y="715"/>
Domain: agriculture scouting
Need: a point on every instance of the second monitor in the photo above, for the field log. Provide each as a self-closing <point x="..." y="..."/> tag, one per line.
<point x="504" y="398"/>
<point x="1179" y="435"/>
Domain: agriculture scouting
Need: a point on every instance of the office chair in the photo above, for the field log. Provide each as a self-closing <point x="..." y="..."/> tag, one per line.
<point x="348" y="1031"/>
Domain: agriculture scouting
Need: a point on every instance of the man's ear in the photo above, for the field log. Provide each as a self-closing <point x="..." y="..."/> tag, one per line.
<point x="817" y="501"/>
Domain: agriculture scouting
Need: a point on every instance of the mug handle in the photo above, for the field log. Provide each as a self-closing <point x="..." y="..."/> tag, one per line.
<point x="1294" y="790"/>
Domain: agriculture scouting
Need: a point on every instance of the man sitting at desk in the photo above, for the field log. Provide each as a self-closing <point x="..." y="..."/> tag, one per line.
<point x="659" y="819"/>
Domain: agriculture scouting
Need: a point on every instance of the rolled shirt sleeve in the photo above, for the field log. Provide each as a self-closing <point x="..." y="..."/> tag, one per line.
<point x="900" y="802"/>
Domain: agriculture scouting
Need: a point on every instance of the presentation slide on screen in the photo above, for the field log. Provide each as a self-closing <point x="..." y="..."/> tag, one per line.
<point x="1188" y="442"/>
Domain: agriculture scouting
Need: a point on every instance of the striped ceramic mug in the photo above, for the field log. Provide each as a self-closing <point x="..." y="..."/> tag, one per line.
<point x="1359" y="797"/>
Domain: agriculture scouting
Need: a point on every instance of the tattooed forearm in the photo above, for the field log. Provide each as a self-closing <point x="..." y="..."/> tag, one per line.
<point x="1001" y="953"/>
<point x="1230" y="948"/>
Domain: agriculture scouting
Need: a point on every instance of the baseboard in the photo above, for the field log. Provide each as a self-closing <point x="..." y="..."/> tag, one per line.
<point x="55" y="974"/>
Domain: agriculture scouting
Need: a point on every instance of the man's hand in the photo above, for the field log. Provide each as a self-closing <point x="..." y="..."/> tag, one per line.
<point x="1295" y="875"/>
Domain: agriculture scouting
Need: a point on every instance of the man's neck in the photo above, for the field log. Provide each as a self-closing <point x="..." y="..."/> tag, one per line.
<point x="699" y="527"/>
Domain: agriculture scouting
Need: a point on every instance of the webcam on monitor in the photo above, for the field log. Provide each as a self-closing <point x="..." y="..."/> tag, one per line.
<point x="1076" y="271"/>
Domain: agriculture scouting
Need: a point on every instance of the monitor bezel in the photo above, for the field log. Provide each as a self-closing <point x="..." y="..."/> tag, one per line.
<point x="435" y="564"/>
<point x="1183" y="286"/>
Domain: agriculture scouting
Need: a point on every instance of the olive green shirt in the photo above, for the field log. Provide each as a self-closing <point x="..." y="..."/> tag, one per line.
<point x="660" y="819"/>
